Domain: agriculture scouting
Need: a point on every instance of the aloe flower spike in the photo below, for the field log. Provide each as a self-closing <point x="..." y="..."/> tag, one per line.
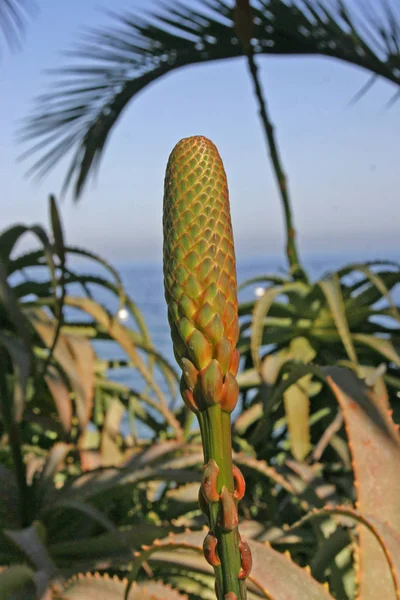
<point x="201" y="294"/>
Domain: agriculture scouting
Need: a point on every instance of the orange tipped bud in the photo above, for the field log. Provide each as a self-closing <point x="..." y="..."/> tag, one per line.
<point x="229" y="516"/>
<point x="210" y="481"/>
<point x="210" y="550"/>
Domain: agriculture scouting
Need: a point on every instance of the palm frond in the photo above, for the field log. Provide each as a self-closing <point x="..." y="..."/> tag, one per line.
<point x="13" y="16"/>
<point x="114" y="65"/>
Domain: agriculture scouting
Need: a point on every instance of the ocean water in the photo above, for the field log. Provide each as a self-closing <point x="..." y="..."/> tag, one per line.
<point x="144" y="284"/>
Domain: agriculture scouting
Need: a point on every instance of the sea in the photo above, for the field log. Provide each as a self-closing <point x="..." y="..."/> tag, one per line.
<point x="143" y="282"/>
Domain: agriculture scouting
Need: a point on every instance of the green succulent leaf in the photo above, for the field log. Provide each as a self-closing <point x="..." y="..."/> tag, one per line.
<point x="375" y="447"/>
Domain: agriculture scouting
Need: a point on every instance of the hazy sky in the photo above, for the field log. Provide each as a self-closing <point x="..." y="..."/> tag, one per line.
<point x="343" y="163"/>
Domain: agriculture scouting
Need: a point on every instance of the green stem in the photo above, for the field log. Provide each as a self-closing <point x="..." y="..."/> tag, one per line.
<point x="215" y="429"/>
<point x="14" y="437"/>
<point x="291" y="247"/>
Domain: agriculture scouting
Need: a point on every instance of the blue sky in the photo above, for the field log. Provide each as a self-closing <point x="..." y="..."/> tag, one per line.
<point x="342" y="162"/>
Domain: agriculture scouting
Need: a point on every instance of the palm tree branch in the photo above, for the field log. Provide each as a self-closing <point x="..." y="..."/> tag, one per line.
<point x="114" y="65"/>
<point x="13" y="16"/>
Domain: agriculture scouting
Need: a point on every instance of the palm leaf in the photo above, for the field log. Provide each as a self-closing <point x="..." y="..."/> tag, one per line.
<point x="113" y="65"/>
<point x="13" y="16"/>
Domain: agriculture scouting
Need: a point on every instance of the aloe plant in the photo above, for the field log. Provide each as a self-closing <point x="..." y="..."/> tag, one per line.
<point x="348" y="318"/>
<point x="321" y="516"/>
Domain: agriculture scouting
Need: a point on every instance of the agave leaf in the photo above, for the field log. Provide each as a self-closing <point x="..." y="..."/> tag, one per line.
<point x="380" y="345"/>
<point x="375" y="447"/>
<point x="331" y="289"/>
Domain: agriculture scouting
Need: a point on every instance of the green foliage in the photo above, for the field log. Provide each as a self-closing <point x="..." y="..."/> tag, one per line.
<point x="74" y="499"/>
<point x="348" y="318"/>
<point x="13" y="15"/>
<point x="116" y="64"/>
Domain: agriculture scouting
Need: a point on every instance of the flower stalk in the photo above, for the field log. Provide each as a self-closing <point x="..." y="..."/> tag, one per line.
<point x="244" y="25"/>
<point x="201" y="294"/>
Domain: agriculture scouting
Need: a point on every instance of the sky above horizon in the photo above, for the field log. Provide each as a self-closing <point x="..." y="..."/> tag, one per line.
<point x="342" y="162"/>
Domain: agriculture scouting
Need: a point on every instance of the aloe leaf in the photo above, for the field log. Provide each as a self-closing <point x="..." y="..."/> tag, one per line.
<point x="273" y="574"/>
<point x="297" y="403"/>
<point x="8" y="498"/>
<point x="106" y="549"/>
<point x="76" y="357"/>
<point x="29" y="540"/>
<point x="18" y="583"/>
<point x="21" y="361"/>
<point x="369" y="293"/>
<point x="93" y="587"/>
<point x="60" y="250"/>
<point x="57" y="455"/>
<point x="261" y="310"/>
<point x="275" y="279"/>
<point x="379" y="283"/>
<point x="121" y="335"/>
<point x="137" y="315"/>
<point x="334" y="298"/>
<point x="260" y="467"/>
<point x="380" y="345"/>
<point x="91" y="512"/>
<point x="91" y="484"/>
<point x="61" y="396"/>
<point x="375" y="447"/>
<point x="9" y="238"/>
<point x="297" y="410"/>
<point x="382" y="543"/>
<point x="11" y="305"/>
<point x="110" y="452"/>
